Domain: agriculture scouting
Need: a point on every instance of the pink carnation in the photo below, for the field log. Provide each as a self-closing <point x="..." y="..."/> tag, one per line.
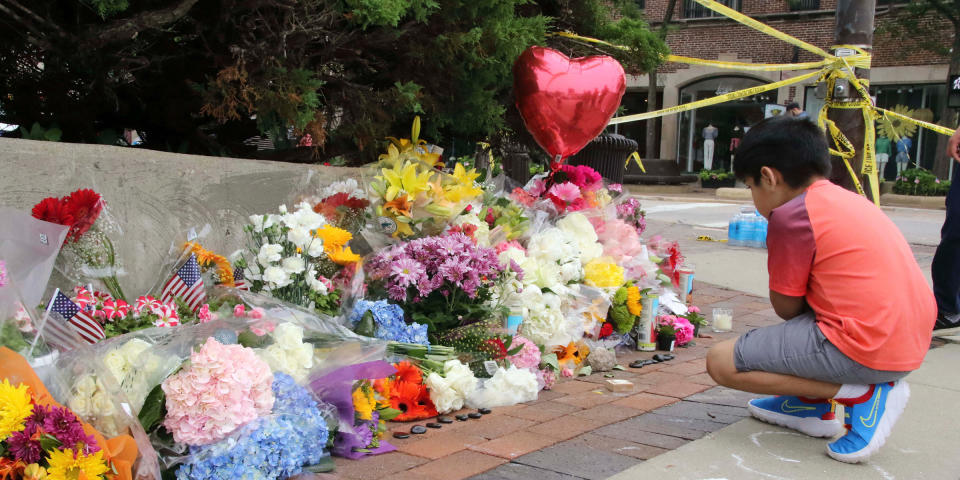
<point x="504" y="246"/>
<point x="204" y="314"/>
<point x="528" y="357"/>
<point x="693" y="309"/>
<point x="224" y="387"/>
<point x="684" y="330"/>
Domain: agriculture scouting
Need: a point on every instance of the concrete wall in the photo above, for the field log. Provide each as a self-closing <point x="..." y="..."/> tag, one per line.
<point x="156" y="197"/>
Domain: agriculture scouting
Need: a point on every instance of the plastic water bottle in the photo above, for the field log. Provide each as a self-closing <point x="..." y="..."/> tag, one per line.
<point x="748" y="227"/>
<point x="733" y="232"/>
<point x="761" y="231"/>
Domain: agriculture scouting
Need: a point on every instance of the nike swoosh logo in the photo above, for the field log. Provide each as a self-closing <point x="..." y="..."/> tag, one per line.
<point x="785" y="407"/>
<point x="874" y="410"/>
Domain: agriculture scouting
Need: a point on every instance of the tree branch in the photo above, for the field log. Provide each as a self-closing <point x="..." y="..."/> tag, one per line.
<point x="127" y="28"/>
<point x="946" y="12"/>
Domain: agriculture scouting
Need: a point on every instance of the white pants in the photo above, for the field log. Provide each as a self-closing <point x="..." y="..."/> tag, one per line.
<point x="708" y="154"/>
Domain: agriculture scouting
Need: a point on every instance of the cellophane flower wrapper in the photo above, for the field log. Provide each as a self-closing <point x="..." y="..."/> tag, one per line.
<point x="89" y="389"/>
<point x="29" y="248"/>
<point x="92" y="256"/>
<point x="342" y="201"/>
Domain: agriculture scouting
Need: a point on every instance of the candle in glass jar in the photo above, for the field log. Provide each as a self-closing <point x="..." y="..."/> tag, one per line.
<point x="722" y="319"/>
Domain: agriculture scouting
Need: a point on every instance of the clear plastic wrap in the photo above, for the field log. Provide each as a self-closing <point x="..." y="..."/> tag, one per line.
<point x="29" y="248"/>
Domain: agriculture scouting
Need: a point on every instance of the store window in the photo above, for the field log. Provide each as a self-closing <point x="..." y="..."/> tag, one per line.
<point x="692" y="9"/>
<point x="800" y="5"/>
<point x="921" y="101"/>
<point x="730" y="119"/>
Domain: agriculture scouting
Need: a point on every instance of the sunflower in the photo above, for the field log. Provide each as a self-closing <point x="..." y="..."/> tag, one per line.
<point x="363" y="403"/>
<point x="633" y="300"/>
<point x="894" y="128"/>
<point x="67" y="465"/>
<point x="15" y="407"/>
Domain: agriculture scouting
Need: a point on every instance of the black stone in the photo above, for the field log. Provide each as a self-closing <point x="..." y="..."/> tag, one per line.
<point x="462" y="417"/>
<point x="434" y="425"/>
<point x="401" y="435"/>
<point x="485" y="411"/>
<point x="475" y="415"/>
<point x="444" y="419"/>
<point x="418" y="429"/>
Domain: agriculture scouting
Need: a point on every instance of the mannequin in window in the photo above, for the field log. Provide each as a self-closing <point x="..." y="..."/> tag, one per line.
<point x="710" y="134"/>
<point x="734" y="143"/>
<point x="883" y="155"/>
<point x="903" y="154"/>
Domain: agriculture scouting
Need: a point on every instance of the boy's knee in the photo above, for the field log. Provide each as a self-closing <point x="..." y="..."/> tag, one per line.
<point x="720" y="364"/>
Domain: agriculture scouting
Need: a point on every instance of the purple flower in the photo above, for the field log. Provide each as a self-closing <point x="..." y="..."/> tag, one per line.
<point x="937" y="180"/>
<point x="65" y="427"/>
<point x="916" y="180"/>
<point x="23" y="448"/>
<point x="406" y="271"/>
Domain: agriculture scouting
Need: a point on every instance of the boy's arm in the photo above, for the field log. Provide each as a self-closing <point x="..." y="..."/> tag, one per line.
<point x="787" y="307"/>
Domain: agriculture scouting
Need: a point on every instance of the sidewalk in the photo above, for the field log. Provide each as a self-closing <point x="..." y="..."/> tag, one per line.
<point x="580" y="429"/>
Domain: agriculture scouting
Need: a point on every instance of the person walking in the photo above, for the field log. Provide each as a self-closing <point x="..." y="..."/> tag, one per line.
<point x="946" y="262"/>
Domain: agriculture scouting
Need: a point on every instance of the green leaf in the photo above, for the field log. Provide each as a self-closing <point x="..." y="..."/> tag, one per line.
<point x="585" y="371"/>
<point x="52" y="135"/>
<point x="154" y="409"/>
<point x="389" y="413"/>
<point x="251" y="340"/>
<point x="550" y="360"/>
<point x="325" y="465"/>
<point x="366" y="326"/>
<point x="49" y="442"/>
<point x="618" y="367"/>
<point x="608" y="375"/>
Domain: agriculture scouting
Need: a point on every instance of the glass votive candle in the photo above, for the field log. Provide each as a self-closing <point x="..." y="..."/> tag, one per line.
<point x="722" y="319"/>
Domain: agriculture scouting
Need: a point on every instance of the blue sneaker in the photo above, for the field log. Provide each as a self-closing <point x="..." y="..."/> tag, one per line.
<point x="815" y="417"/>
<point x="869" y="422"/>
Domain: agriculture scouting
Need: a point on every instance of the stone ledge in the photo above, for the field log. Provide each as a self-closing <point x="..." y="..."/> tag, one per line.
<point x="893" y="199"/>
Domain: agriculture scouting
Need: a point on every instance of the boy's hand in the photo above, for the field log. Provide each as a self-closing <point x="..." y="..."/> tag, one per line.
<point x="787" y="307"/>
<point x="953" y="146"/>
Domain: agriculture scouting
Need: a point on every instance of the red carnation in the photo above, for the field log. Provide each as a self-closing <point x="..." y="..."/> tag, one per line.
<point x="606" y="330"/>
<point x="53" y="210"/>
<point x="85" y="205"/>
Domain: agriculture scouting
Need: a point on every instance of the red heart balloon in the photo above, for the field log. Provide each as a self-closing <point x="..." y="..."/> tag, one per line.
<point x="566" y="102"/>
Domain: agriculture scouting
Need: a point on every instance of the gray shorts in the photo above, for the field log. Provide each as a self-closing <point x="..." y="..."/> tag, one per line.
<point x="797" y="347"/>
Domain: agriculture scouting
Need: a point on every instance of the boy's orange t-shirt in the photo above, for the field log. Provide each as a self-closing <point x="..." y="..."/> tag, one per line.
<point x="857" y="273"/>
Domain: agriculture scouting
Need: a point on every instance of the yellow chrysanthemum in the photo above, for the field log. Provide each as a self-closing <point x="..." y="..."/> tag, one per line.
<point x="206" y="258"/>
<point x="15" y="407"/>
<point x="344" y="256"/>
<point x="633" y="301"/>
<point x="333" y="238"/>
<point x="603" y="274"/>
<point x="362" y="404"/>
<point x="70" y="465"/>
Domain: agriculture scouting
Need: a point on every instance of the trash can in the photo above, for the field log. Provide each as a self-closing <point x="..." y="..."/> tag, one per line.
<point x="606" y="154"/>
<point x="516" y="163"/>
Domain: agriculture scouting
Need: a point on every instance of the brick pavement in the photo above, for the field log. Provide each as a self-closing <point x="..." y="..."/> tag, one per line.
<point x="579" y="430"/>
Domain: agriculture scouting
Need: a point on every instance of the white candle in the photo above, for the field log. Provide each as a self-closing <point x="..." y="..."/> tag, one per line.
<point x="722" y="322"/>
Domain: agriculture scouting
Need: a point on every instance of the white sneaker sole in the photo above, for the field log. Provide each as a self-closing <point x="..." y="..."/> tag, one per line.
<point x="943" y="332"/>
<point x="896" y="403"/>
<point x="812" y="426"/>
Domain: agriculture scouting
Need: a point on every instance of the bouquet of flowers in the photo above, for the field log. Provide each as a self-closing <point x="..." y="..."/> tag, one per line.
<point x="626" y="307"/>
<point x="298" y="257"/>
<point x="118" y="317"/>
<point x="630" y="212"/>
<point x="677" y="326"/>
<point x="568" y="188"/>
<point x="500" y="212"/>
<point x="695" y="318"/>
<point x="39" y="438"/>
<point x="668" y="256"/>
<point x="88" y="251"/>
<point x="442" y="282"/>
<point x="410" y="196"/>
<point x="344" y="204"/>
<point x="407" y="393"/>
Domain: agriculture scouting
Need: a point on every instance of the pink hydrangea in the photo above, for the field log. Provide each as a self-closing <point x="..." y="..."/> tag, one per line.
<point x="546" y="378"/>
<point x="528" y="357"/>
<point x="224" y="387"/>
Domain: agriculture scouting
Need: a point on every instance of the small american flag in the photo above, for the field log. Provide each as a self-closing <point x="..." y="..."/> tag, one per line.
<point x="187" y="284"/>
<point x="79" y="320"/>
<point x="239" y="281"/>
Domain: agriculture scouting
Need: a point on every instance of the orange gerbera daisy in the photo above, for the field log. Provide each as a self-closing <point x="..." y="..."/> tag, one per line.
<point x="413" y="400"/>
<point x="408" y="372"/>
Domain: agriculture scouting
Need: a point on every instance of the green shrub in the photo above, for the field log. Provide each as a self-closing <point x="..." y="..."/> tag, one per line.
<point x="719" y="174"/>
<point x="920" y="182"/>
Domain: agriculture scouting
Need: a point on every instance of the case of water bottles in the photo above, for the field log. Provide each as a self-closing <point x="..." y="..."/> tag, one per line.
<point x="747" y="229"/>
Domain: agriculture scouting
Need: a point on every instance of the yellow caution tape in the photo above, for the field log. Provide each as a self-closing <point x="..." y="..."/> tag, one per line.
<point x="773" y="32"/>
<point x="713" y="100"/>
<point x="931" y="126"/>
<point x="635" y="157"/>
<point x="708" y="238"/>
<point x="757" y="67"/>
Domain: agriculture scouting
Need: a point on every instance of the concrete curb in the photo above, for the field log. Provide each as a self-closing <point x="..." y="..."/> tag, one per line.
<point x="937" y="203"/>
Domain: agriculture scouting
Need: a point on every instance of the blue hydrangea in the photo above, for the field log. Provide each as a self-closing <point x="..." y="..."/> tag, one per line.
<point x="390" y="322"/>
<point x="272" y="447"/>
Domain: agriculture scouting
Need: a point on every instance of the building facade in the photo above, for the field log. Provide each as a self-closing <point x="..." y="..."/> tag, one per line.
<point x="902" y="76"/>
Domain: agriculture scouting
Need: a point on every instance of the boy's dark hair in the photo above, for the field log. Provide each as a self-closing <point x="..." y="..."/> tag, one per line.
<point x="792" y="105"/>
<point x="795" y="147"/>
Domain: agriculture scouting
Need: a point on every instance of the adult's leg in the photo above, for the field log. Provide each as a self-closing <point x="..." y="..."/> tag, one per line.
<point x="722" y="368"/>
<point x="946" y="262"/>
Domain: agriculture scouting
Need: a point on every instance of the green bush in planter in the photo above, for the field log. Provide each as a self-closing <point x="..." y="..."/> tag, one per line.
<point x="920" y="182"/>
<point x="721" y="174"/>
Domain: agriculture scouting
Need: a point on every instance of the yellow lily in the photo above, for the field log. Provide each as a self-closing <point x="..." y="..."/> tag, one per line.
<point x="405" y="178"/>
<point x="465" y="186"/>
